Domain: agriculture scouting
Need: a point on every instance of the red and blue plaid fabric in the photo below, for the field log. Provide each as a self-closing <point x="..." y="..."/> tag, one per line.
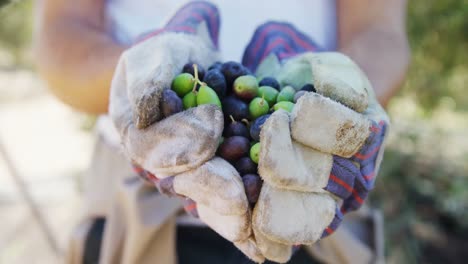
<point x="147" y="176"/>
<point x="188" y="17"/>
<point x="352" y="179"/>
<point x="281" y="39"/>
<point x="190" y="206"/>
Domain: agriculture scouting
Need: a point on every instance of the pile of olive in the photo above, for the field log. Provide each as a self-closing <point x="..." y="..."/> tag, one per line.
<point x="246" y="103"/>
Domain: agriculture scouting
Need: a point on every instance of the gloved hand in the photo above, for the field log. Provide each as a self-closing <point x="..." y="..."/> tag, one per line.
<point x="179" y="150"/>
<point x="319" y="161"/>
<point x="227" y="226"/>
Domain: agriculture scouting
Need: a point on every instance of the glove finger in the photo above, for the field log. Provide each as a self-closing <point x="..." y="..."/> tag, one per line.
<point x="217" y="185"/>
<point x="311" y="168"/>
<point x="336" y="76"/>
<point x="150" y="68"/>
<point x="328" y="126"/>
<point x="291" y="217"/>
<point x="272" y="250"/>
<point x="134" y="97"/>
<point x="231" y="227"/>
<point x="250" y="249"/>
<point x="176" y="144"/>
<point x="333" y="74"/>
<point x="148" y="102"/>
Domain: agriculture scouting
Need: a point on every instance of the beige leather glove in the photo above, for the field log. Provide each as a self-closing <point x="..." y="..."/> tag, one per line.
<point x="180" y="147"/>
<point x="315" y="161"/>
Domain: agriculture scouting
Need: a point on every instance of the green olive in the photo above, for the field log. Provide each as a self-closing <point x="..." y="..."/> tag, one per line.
<point x="183" y="84"/>
<point x="206" y="95"/>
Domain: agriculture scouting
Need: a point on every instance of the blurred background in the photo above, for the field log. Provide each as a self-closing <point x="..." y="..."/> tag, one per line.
<point x="422" y="188"/>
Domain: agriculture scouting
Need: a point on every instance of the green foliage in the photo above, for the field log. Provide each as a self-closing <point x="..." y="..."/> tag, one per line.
<point x="438" y="33"/>
<point x="16" y="27"/>
<point x="423" y="185"/>
<point x="3" y="3"/>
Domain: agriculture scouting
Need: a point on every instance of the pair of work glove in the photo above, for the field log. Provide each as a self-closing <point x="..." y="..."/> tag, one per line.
<point x="317" y="162"/>
<point x="177" y="153"/>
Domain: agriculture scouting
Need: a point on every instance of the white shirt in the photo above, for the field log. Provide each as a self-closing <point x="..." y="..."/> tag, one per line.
<point x="129" y="19"/>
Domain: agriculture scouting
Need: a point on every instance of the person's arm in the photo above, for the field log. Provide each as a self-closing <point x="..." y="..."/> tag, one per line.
<point x="373" y="34"/>
<point x="74" y="52"/>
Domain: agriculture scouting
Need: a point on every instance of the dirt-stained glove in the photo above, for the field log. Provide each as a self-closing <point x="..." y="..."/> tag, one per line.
<point x="183" y="141"/>
<point x="236" y="228"/>
<point x="319" y="161"/>
<point x="179" y="150"/>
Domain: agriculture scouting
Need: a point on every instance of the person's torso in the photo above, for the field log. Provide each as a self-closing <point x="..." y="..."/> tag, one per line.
<point x="129" y="19"/>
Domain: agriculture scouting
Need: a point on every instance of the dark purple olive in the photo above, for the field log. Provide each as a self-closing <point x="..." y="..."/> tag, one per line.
<point x="216" y="65"/>
<point x="231" y="70"/>
<point x="256" y="127"/>
<point x="269" y="81"/>
<point x="252" y="186"/>
<point x="236" y="128"/>
<point x="170" y="103"/>
<point x="234" y="148"/>
<point x="215" y="80"/>
<point x="235" y="107"/>
<point x="309" y="88"/>
<point x="188" y="68"/>
<point x="245" y="166"/>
